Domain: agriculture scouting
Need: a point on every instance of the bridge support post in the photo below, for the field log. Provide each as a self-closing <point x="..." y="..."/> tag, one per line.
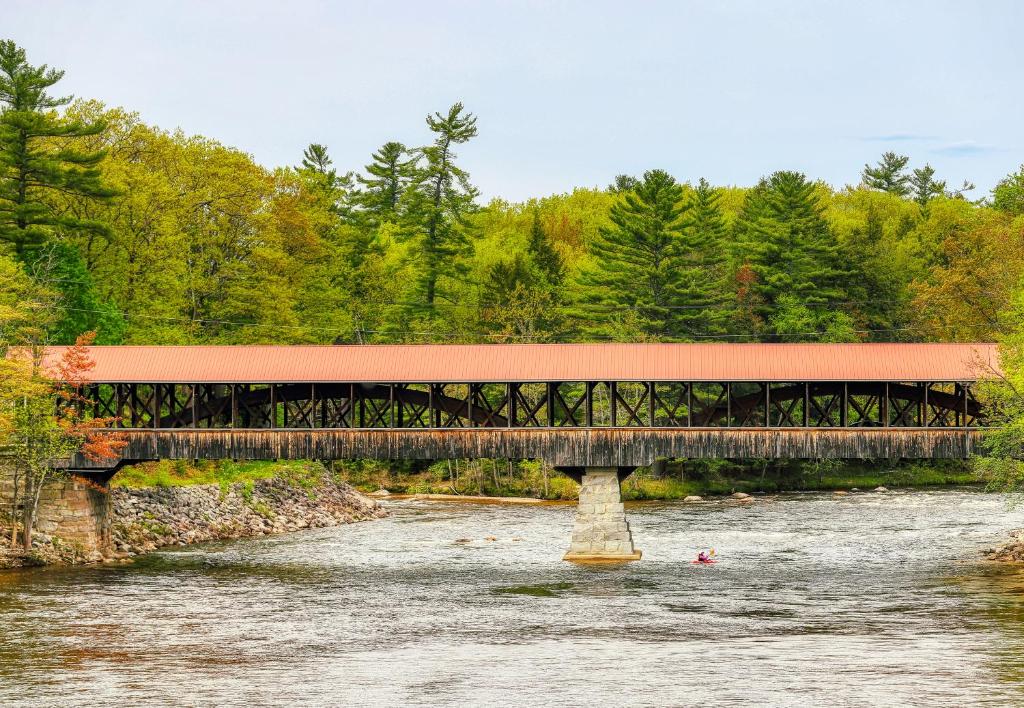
<point x="600" y="532"/>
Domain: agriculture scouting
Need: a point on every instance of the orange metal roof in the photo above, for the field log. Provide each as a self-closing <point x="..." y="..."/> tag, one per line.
<point x="542" y="362"/>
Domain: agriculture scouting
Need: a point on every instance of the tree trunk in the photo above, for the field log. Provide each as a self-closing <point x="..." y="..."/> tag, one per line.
<point x="26" y="521"/>
<point x="14" y="509"/>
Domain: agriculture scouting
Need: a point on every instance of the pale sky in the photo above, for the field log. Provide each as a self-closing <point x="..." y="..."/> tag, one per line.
<point x="567" y="93"/>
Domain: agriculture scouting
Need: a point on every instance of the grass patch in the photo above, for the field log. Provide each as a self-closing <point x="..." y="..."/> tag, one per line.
<point x="224" y="473"/>
<point x="531" y="479"/>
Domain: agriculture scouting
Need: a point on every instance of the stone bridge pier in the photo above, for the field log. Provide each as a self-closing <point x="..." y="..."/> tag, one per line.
<point x="600" y="532"/>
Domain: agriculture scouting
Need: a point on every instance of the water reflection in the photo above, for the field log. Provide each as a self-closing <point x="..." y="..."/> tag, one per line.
<point x="872" y="599"/>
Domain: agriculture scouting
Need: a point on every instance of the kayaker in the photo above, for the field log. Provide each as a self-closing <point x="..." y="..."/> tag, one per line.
<point x="703" y="557"/>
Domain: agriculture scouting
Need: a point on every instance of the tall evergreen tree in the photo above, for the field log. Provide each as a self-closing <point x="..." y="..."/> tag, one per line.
<point x="703" y="281"/>
<point x="439" y="199"/>
<point x="389" y="175"/>
<point x="639" y="259"/>
<point x="38" y="158"/>
<point x="505" y="279"/>
<point x="889" y="175"/>
<point x="331" y="189"/>
<point x="315" y="158"/>
<point x="924" y="185"/>
<point x="787" y="247"/>
<point x="547" y="261"/>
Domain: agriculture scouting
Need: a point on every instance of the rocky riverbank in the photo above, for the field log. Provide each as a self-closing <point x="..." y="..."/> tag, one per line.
<point x="146" y="519"/>
<point x="1011" y="551"/>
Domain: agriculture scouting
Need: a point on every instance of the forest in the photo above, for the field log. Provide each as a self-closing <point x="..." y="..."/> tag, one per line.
<point x="138" y="234"/>
<point x="149" y="235"/>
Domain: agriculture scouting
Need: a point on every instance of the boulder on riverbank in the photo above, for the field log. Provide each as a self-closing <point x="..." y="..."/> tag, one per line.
<point x="46" y="550"/>
<point x="1012" y="551"/>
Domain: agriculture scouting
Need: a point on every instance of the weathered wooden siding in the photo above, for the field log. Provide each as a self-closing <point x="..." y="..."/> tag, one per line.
<point x="561" y="447"/>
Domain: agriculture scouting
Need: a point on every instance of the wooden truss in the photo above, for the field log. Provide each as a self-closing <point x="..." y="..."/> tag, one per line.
<point x="581" y="404"/>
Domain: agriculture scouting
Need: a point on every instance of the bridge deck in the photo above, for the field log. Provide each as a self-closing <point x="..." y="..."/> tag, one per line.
<point x="609" y="447"/>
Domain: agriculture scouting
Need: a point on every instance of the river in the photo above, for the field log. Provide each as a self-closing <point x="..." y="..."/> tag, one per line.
<point x="868" y="599"/>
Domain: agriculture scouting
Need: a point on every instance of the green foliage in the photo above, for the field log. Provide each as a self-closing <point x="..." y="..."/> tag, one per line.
<point x="224" y="473"/>
<point x="41" y="164"/>
<point x="315" y="159"/>
<point x="704" y="277"/>
<point x="924" y="185"/>
<point x="1008" y="195"/>
<point x="1002" y="459"/>
<point x="889" y="175"/>
<point x="791" y="255"/>
<point x="184" y="240"/>
<point x="438" y="201"/>
<point x="81" y="308"/>
<point x="547" y="261"/>
<point x="389" y="174"/>
<point x="640" y="260"/>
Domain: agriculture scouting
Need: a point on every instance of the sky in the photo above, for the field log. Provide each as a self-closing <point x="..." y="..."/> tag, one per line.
<point x="567" y="93"/>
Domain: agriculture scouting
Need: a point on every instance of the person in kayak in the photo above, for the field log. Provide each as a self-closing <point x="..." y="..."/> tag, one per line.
<point x="703" y="557"/>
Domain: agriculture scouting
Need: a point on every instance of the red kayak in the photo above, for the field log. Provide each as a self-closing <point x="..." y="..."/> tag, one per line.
<point x="707" y="562"/>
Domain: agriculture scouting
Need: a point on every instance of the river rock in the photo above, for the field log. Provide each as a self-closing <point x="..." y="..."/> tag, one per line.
<point x="1012" y="551"/>
<point x="840" y="493"/>
<point x="881" y="489"/>
<point x="146" y="519"/>
<point x="693" y="498"/>
<point x="740" y="495"/>
<point x="379" y="493"/>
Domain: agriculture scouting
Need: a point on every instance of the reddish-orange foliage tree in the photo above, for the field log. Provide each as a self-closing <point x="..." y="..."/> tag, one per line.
<point x="51" y="424"/>
<point x="972" y="285"/>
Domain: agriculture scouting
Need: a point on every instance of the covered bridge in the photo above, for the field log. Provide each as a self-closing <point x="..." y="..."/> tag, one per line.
<point x="575" y="405"/>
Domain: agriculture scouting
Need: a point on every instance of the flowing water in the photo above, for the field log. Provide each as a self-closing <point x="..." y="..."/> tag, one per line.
<point x="869" y="599"/>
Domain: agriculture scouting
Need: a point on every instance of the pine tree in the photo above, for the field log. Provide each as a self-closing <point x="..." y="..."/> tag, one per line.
<point x="439" y="199"/>
<point x="545" y="257"/>
<point x="638" y="261"/>
<point x="703" y="280"/>
<point x="389" y="177"/>
<point x="889" y="175"/>
<point x="331" y="189"/>
<point x="787" y="247"/>
<point x="315" y="158"/>
<point x="505" y="278"/>
<point x="924" y="186"/>
<point x="38" y="158"/>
